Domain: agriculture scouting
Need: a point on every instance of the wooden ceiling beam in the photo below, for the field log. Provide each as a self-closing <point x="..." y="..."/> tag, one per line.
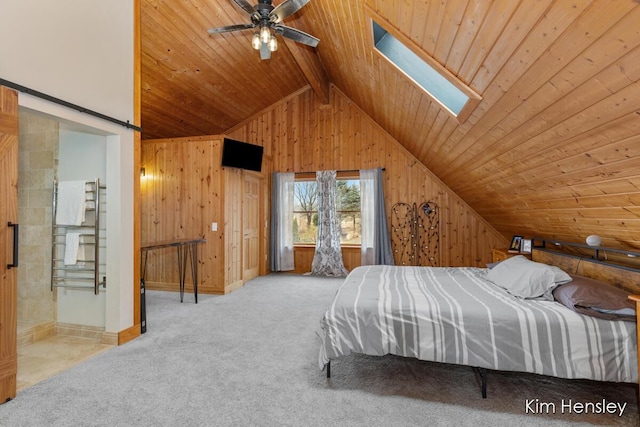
<point x="309" y="62"/>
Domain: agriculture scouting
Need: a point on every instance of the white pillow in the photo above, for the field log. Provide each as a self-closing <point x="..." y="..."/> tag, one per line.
<point x="526" y="279"/>
<point x="559" y="275"/>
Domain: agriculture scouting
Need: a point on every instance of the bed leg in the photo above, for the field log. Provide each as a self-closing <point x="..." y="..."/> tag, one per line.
<point x="483" y="378"/>
<point x="328" y="366"/>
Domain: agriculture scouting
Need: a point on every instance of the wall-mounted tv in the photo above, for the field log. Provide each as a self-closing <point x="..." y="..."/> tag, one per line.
<point x="237" y="154"/>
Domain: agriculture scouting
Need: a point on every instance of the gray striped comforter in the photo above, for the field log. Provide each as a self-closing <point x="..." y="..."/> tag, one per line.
<point x="455" y="315"/>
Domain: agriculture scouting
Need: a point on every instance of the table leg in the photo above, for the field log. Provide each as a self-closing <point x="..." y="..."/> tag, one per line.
<point x="194" y="269"/>
<point x="143" y="298"/>
<point x="182" y="267"/>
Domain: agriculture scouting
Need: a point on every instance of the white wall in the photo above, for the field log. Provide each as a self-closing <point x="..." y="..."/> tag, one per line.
<point x="78" y="50"/>
<point x="82" y="156"/>
<point x="81" y="51"/>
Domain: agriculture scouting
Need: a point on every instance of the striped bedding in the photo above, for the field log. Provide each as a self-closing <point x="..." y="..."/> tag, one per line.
<point x="455" y="315"/>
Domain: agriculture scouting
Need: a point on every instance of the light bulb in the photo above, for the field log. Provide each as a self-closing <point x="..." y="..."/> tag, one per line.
<point x="255" y="41"/>
<point x="265" y="34"/>
<point x="273" y="44"/>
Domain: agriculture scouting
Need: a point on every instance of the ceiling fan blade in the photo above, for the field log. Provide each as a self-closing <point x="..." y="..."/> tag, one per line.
<point x="297" y="35"/>
<point x="265" y="52"/>
<point x="246" y="6"/>
<point x="228" y="28"/>
<point x="285" y="9"/>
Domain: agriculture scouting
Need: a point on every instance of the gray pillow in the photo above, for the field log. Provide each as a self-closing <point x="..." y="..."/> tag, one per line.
<point x="597" y="299"/>
<point x="527" y="279"/>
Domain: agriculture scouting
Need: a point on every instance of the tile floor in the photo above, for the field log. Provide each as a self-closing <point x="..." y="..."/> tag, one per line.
<point x="44" y="358"/>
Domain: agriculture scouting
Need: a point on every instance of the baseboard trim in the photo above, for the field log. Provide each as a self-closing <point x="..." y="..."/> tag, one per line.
<point x="233" y="286"/>
<point x="129" y="334"/>
<point x="82" y="331"/>
<point x="188" y="289"/>
<point x="31" y="334"/>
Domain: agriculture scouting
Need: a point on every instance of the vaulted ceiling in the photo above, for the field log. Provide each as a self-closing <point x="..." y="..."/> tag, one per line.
<point x="551" y="150"/>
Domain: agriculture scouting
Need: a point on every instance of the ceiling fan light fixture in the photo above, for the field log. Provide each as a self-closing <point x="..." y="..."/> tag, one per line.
<point x="265" y="34"/>
<point x="266" y="23"/>
<point x="273" y="44"/>
<point x="255" y="41"/>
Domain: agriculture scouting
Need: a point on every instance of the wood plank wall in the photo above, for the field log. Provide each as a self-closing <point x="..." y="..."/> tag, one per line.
<point x="185" y="189"/>
<point x="303" y="257"/>
<point x="551" y="150"/>
<point x="182" y="194"/>
<point x="300" y="134"/>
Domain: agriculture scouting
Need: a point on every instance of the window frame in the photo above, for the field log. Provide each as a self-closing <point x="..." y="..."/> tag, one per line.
<point x="474" y="97"/>
<point x="341" y="176"/>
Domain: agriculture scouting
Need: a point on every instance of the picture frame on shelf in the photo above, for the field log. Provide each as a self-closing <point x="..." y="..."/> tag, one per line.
<point x="525" y="246"/>
<point x="514" y="247"/>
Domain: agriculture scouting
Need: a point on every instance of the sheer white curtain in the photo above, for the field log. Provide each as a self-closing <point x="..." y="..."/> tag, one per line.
<point x="375" y="240"/>
<point x="281" y="244"/>
<point x="327" y="260"/>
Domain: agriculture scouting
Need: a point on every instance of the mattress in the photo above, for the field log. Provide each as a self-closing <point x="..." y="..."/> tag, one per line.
<point x="456" y="315"/>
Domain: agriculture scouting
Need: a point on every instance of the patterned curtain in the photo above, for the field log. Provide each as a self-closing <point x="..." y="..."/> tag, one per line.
<point x="327" y="260"/>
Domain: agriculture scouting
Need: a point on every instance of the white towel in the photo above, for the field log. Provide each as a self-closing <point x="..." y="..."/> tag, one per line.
<point x="71" y="248"/>
<point x="89" y="199"/>
<point x="70" y="207"/>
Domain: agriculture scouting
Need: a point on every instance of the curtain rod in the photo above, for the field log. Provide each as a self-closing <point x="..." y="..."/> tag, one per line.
<point x="338" y="171"/>
<point x="59" y="101"/>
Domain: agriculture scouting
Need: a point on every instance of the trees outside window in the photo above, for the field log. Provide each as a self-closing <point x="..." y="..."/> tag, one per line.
<point x="305" y="214"/>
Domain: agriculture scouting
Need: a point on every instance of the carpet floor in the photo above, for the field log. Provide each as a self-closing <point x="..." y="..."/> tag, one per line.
<point x="250" y="359"/>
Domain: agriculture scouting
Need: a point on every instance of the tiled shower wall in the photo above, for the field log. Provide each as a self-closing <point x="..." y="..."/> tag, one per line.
<point x="38" y="158"/>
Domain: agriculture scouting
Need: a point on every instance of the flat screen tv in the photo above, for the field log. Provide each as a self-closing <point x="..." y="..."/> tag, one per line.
<point x="237" y="154"/>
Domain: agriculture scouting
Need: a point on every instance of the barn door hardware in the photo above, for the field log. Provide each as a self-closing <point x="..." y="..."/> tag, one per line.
<point x="15" y="245"/>
<point x="416" y="234"/>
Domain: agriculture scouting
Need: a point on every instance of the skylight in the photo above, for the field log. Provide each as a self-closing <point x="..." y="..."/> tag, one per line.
<point x="452" y="94"/>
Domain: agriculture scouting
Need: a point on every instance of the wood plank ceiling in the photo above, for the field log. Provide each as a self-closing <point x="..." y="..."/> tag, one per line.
<point x="551" y="150"/>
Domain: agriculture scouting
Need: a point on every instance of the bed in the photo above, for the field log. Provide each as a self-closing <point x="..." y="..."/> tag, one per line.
<point x="459" y="316"/>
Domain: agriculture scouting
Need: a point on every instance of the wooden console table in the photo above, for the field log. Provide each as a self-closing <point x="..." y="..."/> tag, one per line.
<point x="185" y="248"/>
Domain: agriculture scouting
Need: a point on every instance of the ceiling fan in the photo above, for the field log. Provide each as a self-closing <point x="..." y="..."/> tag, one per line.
<point x="266" y="19"/>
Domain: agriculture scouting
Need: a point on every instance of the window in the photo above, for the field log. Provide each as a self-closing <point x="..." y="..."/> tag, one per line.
<point x="305" y="211"/>
<point x="434" y="79"/>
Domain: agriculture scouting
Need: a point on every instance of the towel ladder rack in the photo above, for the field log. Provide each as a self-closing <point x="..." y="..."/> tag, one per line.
<point x="85" y="274"/>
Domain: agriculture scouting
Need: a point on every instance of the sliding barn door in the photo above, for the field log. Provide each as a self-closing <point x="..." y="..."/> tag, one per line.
<point x="8" y="241"/>
<point x="251" y="226"/>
